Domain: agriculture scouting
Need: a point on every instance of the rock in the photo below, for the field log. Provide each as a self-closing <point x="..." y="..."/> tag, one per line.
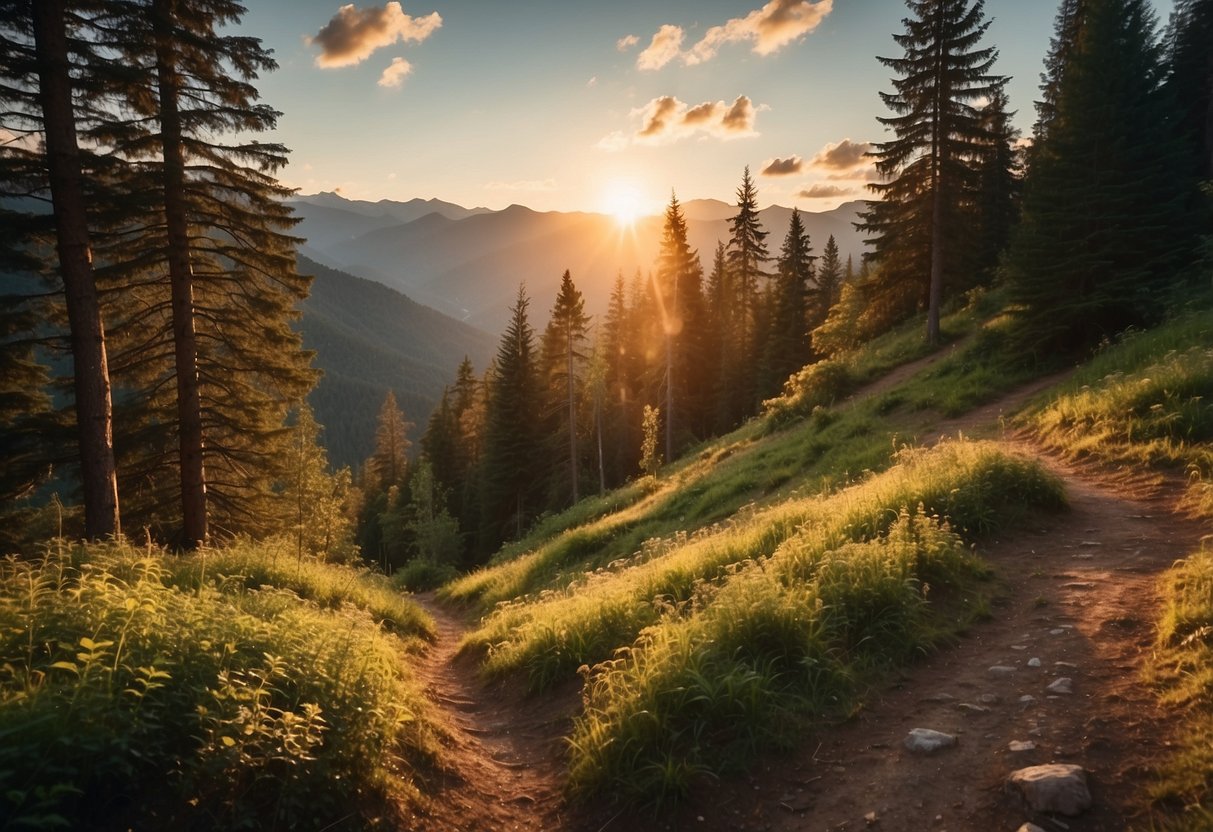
<point x="1056" y="631"/>
<point x="869" y="818"/>
<point x="1027" y="699"/>
<point x="1056" y="787"/>
<point x="1022" y="745"/>
<point x="970" y="708"/>
<point x="927" y="740"/>
<point x="989" y="699"/>
<point x="1062" y="684"/>
<point x="1029" y="827"/>
<point x="1069" y="665"/>
<point x="1001" y="670"/>
<point x="938" y="697"/>
<point x="1034" y="662"/>
<point x="1019" y="647"/>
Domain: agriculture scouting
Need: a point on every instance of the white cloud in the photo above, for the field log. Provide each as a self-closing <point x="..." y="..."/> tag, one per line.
<point x="395" y="74"/>
<point x="665" y="47"/>
<point x="353" y="34"/>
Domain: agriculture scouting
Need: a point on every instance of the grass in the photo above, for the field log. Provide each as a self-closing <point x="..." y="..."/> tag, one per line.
<point x="1182" y="669"/>
<point x="1142" y="401"/>
<point x="142" y="690"/>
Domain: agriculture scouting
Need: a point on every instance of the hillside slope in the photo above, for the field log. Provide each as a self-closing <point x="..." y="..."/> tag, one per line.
<point x="369" y="339"/>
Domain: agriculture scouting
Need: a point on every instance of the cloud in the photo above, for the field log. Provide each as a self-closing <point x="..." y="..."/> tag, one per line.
<point x="665" y="47"/>
<point x="768" y="29"/>
<point x="823" y="192"/>
<point x="626" y="42"/>
<point x="522" y="185"/>
<point x="865" y="174"/>
<point x="593" y="82"/>
<point x="783" y="167"/>
<point x="354" y="34"/>
<point x="843" y="155"/>
<point x="396" y="72"/>
<point x="665" y="119"/>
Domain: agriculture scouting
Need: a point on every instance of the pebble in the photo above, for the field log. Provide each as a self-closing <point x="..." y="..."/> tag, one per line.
<point x="938" y="697"/>
<point x="1029" y="827"/>
<point x="969" y="707"/>
<point x="1001" y="669"/>
<point x="927" y="740"/>
<point x="1027" y="699"/>
<point x="989" y="699"/>
<point x="1033" y="662"/>
<point x="1056" y="787"/>
<point x="1022" y="745"/>
<point x="1019" y="647"/>
<point x="1069" y="665"/>
<point x="1056" y="631"/>
<point x="1062" y="684"/>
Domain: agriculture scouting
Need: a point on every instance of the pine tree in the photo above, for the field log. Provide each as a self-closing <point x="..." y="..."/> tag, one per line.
<point x="996" y="201"/>
<point x="929" y="169"/>
<point x="746" y="253"/>
<point x="1103" y="199"/>
<point x="787" y="345"/>
<point x="39" y="96"/>
<point x="1190" y="80"/>
<point x="1066" y="24"/>
<point x="388" y="465"/>
<point x="620" y="436"/>
<point x="563" y="358"/>
<point x="318" y="497"/>
<point x="513" y="445"/>
<point x="722" y="317"/>
<point x="679" y="295"/>
<point x="829" y="283"/>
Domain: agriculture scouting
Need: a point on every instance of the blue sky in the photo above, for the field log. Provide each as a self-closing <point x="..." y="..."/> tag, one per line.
<point x="555" y="106"/>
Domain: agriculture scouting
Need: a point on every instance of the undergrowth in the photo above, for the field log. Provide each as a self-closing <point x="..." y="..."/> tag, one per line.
<point x="1182" y="669"/>
<point x="141" y="690"/>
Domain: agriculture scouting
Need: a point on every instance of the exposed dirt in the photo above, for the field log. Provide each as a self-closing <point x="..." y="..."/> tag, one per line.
<point x="1078" y="592"/>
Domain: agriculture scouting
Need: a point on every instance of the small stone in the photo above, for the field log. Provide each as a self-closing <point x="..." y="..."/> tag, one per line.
<point x="1001" y="670"/>
<point x="938" y="697"/>
<point x="1069" y="665"/>
<point x="869" y="818"/>
<point x="1022" y="745"/>
<point x="1019" y="647"/>
<point x="1090" y="543"/>
<point x="1029" y="827"/>
<point x="1056" y="631"/>
<point x="1034" y="662"/>
<point x="1027" y="699"/>
<point x="1056" y="787"/>
<point x="969" y="707"/>
<point x="989" y="699"/>
<point x="1062" y="684"/>
<point x="927" y="740"/>
<point x="699" y="818"/>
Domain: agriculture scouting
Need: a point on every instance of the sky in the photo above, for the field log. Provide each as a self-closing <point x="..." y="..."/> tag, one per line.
<point x="598" y="106"/>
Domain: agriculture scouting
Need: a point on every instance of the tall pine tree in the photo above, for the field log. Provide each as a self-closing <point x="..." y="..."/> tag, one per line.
<point x="930" y="168"/>
<point x="564" y="357"/>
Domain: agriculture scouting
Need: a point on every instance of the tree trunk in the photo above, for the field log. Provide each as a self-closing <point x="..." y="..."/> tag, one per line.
<point x="94" y="409"/>
<point x="572" y="417"/>
<point x="181" y="280"/>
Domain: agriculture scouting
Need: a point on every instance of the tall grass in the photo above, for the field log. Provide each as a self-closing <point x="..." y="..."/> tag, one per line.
<point x="548" y="636"/>
<point x="137" y="692"/>
<point x="1145" y="400"/>
<point x="1182" y="669"/>
<point x="699" y="693"/>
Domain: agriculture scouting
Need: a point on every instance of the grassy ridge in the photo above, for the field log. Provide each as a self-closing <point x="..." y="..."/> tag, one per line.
<point x="137" y="690"/>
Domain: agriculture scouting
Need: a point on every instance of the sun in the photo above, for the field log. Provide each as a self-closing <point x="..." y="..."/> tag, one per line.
<point x="623" y="201"/>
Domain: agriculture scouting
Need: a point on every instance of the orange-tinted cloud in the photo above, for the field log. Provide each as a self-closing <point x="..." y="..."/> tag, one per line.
<point x="354" y="34"/>
<point x="823" y="192"/>
<point x="626" y="42"/>
<point x="663" y="48"/>
<point x="768" y="29"/>
<point x="783" y="167"/>
<point x="843" y="155"/>
<point x="396" y="72"/>
<point x="665" y="119"/>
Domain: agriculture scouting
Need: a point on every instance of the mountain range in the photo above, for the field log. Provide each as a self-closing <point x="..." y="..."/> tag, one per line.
<point x="469" y="262"/>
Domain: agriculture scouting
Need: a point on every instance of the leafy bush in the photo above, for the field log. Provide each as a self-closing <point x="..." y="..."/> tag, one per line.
<point x="421" y="574"/>
<point x="136" y="693"/>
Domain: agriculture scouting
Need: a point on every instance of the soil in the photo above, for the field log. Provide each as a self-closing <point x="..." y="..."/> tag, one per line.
<point x="1076" y="590"/>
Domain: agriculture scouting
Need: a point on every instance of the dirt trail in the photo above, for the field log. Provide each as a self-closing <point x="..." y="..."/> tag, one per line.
<point x="504" y="752"/>
<point x="1078" y="594"/>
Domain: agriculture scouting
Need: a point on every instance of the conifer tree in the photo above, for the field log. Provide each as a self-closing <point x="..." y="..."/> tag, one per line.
<point x="318" y="497"/>
<point x="929" y="169"/>
<point x="829" y="283"/>
<point x="513" y="444"/>
<point x="746" y="255"/>
<point x="679" y="295"/>
<point x="787" y="344"/>
<point x="1190" y="80"/>
<point x="998" y="190"/>
<point x="39" y="98"/>
<point x="1102" y="207"/>
<point x="617" y="346"/>
<point x="563" y="357"/>
<point x="388" y="465"/>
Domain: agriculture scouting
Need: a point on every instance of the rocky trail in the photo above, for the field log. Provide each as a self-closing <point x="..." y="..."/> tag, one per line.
<point x="1054" y="676"/>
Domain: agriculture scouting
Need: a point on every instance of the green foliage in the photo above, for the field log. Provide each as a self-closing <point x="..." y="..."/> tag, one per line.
<point x="1142" y="401"/>
<point x="421" y="574"/>
<point x="650" y="456"/>
<point x="141" y="690"/>
<point x="699" y="693"/>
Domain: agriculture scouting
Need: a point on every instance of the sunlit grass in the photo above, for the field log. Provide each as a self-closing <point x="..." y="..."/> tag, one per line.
<point x="1147" y="400"/>
<point x="139" y="691"/>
